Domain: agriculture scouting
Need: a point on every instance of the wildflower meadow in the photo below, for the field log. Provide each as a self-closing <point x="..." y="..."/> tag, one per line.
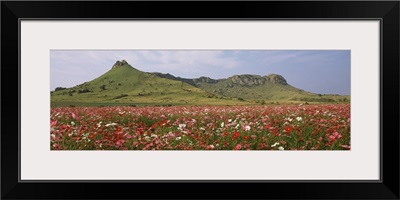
<point x="292" y="127"/>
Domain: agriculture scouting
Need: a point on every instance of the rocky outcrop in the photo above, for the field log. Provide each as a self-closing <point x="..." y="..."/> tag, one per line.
<point x="243" y="80"/>
<point x="161" y="75"/>
<point x="251" y="80"/>
<point x="277" y="79"/>
<point x="248" y="80"/>
<point x="204" y="79"/>
<point x="120" y="63"/>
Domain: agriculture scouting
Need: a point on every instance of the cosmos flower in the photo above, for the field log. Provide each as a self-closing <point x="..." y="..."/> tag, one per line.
<point x="238" y="147"/>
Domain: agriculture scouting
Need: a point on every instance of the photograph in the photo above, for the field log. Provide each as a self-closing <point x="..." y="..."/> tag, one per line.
<point x="194" y="96"/>
<point x="283" y="100"/>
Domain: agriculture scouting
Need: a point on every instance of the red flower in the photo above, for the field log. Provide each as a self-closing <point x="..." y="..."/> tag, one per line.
<point x="246" y="137"/>
<point x="288" y="129"/>
<point x="236" y="135"/>
<point x="119" y="129"/>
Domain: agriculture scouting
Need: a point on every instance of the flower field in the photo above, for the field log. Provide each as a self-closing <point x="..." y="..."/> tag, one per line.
<point x="291" y="127"/>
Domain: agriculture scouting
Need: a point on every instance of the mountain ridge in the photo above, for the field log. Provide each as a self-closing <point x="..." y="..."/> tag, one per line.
<point x="124" y="83"/>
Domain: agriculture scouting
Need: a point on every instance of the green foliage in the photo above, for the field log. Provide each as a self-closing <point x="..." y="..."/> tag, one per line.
<point x="85" y="90"/>
<point x="60" y="88"/>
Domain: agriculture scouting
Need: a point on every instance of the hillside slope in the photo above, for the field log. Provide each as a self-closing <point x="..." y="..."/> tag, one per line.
<point x="125" y="85"/>
<point x="256" y="88"/>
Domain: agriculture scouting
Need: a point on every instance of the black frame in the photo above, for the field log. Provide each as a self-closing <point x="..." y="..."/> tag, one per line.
<point x="386" y="11"/>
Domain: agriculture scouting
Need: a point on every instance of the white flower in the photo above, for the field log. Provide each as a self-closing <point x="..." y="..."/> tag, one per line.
<point x="177" y="138"/>
<point x="212" y="146"/>
<point x="112" y="124"/>
<point x="73" y="123"/>
<point x="281" y="148"/>
<point x="247" y="128"/>
<point x="53" y="136"/>
<point x="99" y="124"/>
<point x="201" y="128"/>
<point x="229" y="120"/>
<point x="181" y="126"/>
<point x="276" y="143"/>
<point x="299" y="118"/>
<point x="237" y="126"/>
<point x="153" y="135"/>
<point x="147" y="138"/>
<point x="222" y="125"/>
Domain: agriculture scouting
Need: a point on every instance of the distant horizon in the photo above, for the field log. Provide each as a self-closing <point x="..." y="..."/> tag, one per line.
<point x="316" y="71"/>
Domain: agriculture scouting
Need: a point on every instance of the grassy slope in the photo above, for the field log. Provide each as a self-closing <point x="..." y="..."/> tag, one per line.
<point x="266" y="92"/>
<point x="269" y="92"/>
<point x="140" y="88"/>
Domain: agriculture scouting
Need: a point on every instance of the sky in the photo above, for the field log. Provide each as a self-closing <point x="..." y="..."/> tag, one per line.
<point x="317" y="71"/>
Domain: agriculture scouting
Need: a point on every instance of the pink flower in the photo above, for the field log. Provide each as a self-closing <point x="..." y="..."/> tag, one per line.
<point x="75" y="117"/>
<point x="238" y="147"/>
<point x="120" y="142"/>
<point x="56" y="146"/>
<point x="336" y="135"/>
<point x="53" y="123"/>
<point x="346" y="147"/>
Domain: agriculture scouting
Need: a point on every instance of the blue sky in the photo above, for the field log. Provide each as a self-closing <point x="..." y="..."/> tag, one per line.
<point x="318" y="71"/>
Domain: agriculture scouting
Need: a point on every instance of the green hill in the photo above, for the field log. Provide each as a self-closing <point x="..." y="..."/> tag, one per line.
<point x="125" y="85"/>
<point x="256" y="88"/>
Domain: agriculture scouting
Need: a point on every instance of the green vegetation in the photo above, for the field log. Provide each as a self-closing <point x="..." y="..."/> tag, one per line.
<point x="125" y="85"/>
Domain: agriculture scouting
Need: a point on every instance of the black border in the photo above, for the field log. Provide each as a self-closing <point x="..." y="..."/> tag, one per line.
<point x="386" y="11"/>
